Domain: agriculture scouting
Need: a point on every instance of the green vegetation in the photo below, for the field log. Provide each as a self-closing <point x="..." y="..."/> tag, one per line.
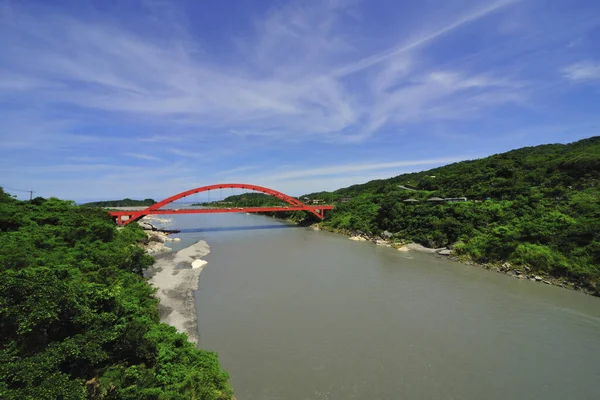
<point x="78" y="319"/>
<point x="537" y="207"/>
<point x="121" y="203"/>
<point x="247" y="200"/>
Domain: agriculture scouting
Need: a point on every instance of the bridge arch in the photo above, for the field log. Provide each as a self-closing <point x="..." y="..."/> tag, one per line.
<point x="296" y="204"/>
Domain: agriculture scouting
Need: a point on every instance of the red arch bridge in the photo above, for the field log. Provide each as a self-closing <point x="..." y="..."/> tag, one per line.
<point x="156" y="209"/>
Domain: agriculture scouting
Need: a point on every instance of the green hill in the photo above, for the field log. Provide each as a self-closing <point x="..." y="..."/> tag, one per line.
<point x="120" y="203"/>
<point x="248" y="200"/>
<point x="535" y="207"/>
<point x="77" y="317"/>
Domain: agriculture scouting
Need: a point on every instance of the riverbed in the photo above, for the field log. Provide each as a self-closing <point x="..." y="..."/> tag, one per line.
<point x="299" y="314"/>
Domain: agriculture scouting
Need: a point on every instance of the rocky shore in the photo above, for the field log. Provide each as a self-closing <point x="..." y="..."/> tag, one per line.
<point x="156" y="237"/>
<point x="516" y="271"/>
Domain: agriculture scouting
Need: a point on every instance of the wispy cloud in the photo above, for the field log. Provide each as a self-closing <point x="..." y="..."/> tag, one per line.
<point x="583" y="71"/>
<point x="355" y="167"/>
<point x="109" y="68"/>
<point x="185" y="153"/>
<point x="309" y="84"/>
<point x="423" y="40"/>
<point x="141" y="156"/>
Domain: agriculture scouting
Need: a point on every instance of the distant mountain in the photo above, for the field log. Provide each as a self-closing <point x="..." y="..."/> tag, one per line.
<point x="120" y="203"/>
<point x="249" y="200"/>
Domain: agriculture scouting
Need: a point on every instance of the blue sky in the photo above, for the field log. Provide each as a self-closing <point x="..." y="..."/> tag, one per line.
<point x="112" y="99"/>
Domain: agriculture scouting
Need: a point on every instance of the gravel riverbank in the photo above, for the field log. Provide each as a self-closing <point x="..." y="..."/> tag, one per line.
<point x="176" y="275"/>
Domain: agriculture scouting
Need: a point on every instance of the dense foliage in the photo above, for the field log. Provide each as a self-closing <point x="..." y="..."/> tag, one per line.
<point x="537" y="207"/>
<point x="120" y="203"/>
<point x="78" y="319"/>
<point x="248" y="200"/>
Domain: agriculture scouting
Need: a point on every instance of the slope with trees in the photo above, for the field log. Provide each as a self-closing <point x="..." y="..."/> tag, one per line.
<point x="77" y="317"/>
<point x="535" y="207"/>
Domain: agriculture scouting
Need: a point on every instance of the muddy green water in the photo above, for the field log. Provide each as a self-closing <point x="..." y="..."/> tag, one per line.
<point x="298" y="314"/>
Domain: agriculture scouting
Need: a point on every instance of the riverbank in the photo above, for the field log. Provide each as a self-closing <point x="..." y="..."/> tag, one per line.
<point x="515" y="271"/>
<point x="176" y="276"/>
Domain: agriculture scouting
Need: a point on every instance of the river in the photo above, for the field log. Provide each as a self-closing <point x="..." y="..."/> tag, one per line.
<point x="299" y="314"/>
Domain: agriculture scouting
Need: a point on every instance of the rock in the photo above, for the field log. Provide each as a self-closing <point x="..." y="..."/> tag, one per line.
<point x="358" y="238"/>
<point x="547" y="282"/>
<point x="518" y="272"/>
<point x="157" y="238"/>
<point x="198" y="263"/>
<point x="403" y="249"/>
<point x="445" y="252"/>
<point x="176" y="240"/>
<point x="419" y="248"/>
<point x="146" y="226"/>
<point x="381" y="242"/>
<point x="537" y="278"/>
<point x="527" y="269"/>
<point x="386" y="234"/>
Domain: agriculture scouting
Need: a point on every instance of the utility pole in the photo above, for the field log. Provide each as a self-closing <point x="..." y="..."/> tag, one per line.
<point x="31" y="192"/>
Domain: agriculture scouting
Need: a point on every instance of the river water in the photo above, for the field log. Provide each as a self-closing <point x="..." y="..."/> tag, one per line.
<point x="299" y="314"/>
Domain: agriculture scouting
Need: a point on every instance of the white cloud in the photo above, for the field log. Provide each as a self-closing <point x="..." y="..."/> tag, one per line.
<point x="293" y="86"/>
<point x="140" y="156"/>
<point x="341" y="169"/>
<point x="583" y="71"/>
<point x="468" y="17"/>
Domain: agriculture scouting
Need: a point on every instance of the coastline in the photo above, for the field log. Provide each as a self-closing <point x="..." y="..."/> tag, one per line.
<point x="518" y="272"/>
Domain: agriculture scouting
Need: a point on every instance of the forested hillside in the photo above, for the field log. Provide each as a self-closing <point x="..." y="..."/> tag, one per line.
<point x="78" y="319"/>
<point x="249" y="200"/>
<point x="537" y="207"/>
<point x="120" y="203"/>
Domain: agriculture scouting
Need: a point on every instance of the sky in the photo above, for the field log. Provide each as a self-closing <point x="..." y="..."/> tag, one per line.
<point x="148" y="98"/>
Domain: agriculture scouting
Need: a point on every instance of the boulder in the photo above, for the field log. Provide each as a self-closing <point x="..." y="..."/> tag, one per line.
<point x="537" y="278"/>
<point x="157" y="238"/>
<point x="358" y="238"/>
<point x="198" y="263"/>
<point x="146" y="226"/>
<point x="419" y="248"/>
<point x="403" y="249"/>
<point x="386" y="234"/>
<point x="445" y="252"/>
